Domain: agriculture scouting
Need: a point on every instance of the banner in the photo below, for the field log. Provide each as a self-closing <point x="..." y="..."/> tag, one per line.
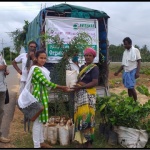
<point x="67" y="28"/>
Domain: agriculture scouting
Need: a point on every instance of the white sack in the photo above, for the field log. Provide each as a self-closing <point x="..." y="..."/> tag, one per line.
<point x="71" y="78"/>
<point x="64" y="135"/>
<point x="52" y="134"/>
<point x="45" y="127"/>
<point x="131" y="138"/>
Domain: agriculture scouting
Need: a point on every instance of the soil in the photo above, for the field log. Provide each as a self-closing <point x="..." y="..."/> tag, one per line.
<point x="120" y="87"/>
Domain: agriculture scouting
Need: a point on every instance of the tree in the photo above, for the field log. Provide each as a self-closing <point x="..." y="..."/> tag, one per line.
<point x="7" y="53"/>
<point x="116" y="52"/>
<point x="19" y="37"/>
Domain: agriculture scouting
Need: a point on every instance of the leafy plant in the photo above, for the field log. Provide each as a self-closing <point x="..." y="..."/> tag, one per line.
<point x="120" y="110"/>
<point x="143" y="90"/>
<point x="58" y="74"/>
<point x="112" y="82"/>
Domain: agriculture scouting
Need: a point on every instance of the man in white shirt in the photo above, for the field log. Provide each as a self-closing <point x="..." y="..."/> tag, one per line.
<point x="24" y="59"/>
<point x="3" y="73"/>
<point x="131" y="63"/>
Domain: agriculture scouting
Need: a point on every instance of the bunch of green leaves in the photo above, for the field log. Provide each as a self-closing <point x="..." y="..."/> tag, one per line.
<point x="19" y="37"/>
<point x="58" y="73"/>
<point x="147" y="72"/>
<point x="143" y="90"/>
<point x="121" y="110"/>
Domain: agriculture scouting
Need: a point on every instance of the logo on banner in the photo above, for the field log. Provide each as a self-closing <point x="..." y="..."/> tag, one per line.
<point x="76" y="26"/>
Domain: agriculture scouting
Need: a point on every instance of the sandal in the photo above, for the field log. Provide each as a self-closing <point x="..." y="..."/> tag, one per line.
<point x="79" y="146"/>
<point x="46" y="146"/>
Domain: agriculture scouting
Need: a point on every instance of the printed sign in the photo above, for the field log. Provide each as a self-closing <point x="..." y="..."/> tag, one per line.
<point x="67" y="28"/>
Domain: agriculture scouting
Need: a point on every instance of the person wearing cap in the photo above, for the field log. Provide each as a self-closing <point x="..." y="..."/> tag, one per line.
<point x="85" y="99"/>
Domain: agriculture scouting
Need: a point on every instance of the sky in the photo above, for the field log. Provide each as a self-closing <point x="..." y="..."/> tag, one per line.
<point x="127" y="19"/>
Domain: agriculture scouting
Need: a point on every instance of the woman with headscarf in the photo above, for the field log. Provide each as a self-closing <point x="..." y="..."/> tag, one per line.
<point x="85" y="98"/>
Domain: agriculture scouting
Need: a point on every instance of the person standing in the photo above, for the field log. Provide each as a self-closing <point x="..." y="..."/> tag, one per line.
<point x="85" y="99"/>
<point x="131" y="63"/>
<point x="39" y="76"/>
<point x="27" y="60"/>
<point x="3" y="73"/>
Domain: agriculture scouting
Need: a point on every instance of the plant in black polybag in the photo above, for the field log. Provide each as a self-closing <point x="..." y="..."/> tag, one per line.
<point x="121" y="110"/>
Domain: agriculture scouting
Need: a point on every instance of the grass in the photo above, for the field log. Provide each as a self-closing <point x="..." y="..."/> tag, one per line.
<point x="115" y="82"/>
<point x="8" y="62"/>
<point x="141" y="80"/>
<point x="113" y="67"/>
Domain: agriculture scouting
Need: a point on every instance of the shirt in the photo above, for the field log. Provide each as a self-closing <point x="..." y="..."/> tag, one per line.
<point x="39" y="79"/>
<point x="23" y="58"/>
<point x="93" y="74"/>
<point x="132" y="64"/>
<point x="2" y="76"/>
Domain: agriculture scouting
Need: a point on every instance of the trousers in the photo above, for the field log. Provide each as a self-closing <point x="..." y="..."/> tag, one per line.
<point x="2" y="103"/>
<point x="37" y="133"/>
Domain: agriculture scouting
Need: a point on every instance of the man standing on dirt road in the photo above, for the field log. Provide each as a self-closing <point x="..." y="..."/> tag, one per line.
<point x="27" y="60"/>
<point x="131" y="63"/>
<point x="3" y="73"/>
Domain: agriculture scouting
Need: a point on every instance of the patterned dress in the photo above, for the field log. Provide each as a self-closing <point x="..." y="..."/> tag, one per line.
<point x="84" y="108"/>
<point x="37" y="80"/>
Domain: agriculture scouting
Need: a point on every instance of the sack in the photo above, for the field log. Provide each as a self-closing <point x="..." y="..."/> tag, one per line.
<point x="7" y="97"/>
<point x="71" y="78"/>
<point x="45" y="129"/>
<point x="131" y="138"/>
<point x="52" y="134"/>
<point x="64" y="135"/>
<point x="71" y="129"/>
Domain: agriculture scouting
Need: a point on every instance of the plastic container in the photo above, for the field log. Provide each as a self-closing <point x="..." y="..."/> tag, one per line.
<point x="103" y="51"/>
<point x="103" y="46"/>
<point x="102" y="36"/>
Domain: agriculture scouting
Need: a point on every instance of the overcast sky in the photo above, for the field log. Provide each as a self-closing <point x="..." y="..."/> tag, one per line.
<point x="127" y="19"/>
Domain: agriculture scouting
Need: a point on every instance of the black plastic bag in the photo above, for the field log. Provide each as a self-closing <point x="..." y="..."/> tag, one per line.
<point x="106" y="132"/>
<point x="113" y="138"/>
<point x="101" y="129"/>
